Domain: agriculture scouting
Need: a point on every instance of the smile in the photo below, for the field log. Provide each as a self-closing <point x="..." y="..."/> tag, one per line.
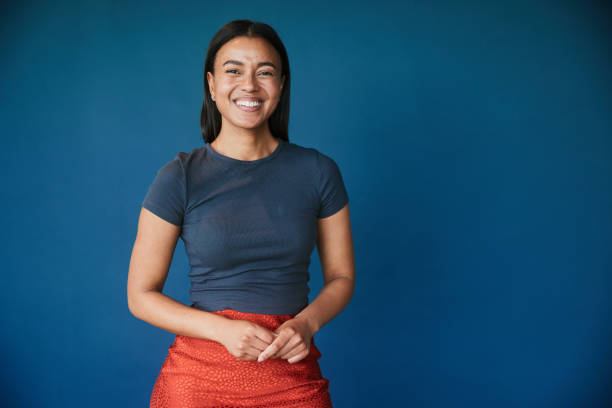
<point x="248" y="106"/>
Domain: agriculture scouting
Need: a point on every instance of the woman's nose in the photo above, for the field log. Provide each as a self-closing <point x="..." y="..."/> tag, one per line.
<point x="249" y="82"/>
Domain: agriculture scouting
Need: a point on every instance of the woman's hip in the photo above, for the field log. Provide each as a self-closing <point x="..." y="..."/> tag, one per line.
<point x="197" y="372"/>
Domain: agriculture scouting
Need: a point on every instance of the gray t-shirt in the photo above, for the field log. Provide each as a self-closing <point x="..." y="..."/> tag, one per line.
<point x="249" y="227"/>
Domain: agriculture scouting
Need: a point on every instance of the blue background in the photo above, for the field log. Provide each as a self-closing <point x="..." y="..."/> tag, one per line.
<point x="475" y="141"/>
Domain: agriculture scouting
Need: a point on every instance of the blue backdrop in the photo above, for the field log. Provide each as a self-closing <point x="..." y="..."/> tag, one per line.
<point x="475" y="141"/>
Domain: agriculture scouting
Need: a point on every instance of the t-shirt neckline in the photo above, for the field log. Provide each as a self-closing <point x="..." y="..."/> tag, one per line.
<point x="233" y="160"/>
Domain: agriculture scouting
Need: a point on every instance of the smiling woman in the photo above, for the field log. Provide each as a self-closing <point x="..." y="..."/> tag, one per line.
<point x="268" y="60"/>
<point x="250" y="206"/>
<point x="245" y="85"/>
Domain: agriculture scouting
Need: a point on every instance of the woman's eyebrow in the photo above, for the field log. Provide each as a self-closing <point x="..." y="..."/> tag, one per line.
<point x="261" y="64"/>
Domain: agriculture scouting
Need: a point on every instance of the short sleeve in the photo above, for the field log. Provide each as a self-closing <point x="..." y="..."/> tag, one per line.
<point x="332" y="192"/>
<point x="166" y="196"/>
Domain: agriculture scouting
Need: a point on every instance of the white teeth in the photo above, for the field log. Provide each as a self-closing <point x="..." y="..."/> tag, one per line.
<point x="249" y="104"/>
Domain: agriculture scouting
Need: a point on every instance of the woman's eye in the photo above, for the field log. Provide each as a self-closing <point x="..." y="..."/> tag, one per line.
<point x="235" y="71"/>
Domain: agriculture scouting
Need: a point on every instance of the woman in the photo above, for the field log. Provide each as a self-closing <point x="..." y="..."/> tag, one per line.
<point x="250" y="207"/>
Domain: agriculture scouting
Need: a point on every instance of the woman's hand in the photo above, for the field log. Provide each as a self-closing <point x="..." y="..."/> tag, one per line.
<point x="292" y="343"/>
<point x="245" y="340"/>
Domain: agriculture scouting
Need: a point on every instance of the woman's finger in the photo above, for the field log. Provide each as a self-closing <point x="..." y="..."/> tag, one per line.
<point x="294" y="342"/>
<point x="298" y="357"/>
<point x="259" y="344"/>
<point x="264" y="334"/>
<point x="276" y="345"/>
<point x="251" y="353"/>
<point x="297" y="349"/>
<point x="246" y="351"/>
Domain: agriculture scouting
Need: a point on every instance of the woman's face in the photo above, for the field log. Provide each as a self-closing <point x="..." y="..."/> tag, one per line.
<point x="247" y="83"/>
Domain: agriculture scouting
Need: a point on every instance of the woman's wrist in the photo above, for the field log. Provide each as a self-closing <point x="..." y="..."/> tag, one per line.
<point x="334" y="296"/>
<point x="309" y="320"/>
<point x="216" y="326"/>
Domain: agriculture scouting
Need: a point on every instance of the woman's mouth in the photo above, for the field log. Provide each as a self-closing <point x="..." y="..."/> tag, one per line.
<point x="248" y="105"/>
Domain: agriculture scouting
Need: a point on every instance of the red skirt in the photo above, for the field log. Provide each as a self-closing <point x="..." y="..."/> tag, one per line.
<point x="203" y="373"/>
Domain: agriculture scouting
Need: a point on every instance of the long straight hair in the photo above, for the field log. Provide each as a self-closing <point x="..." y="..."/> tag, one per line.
<point x="210" y="118"/>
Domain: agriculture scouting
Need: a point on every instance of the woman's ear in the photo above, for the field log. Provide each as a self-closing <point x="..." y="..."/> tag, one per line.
<point x="282" y="82"/>
<point x="211" y="79"/>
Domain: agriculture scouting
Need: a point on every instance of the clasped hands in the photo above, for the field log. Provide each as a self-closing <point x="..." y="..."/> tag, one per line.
<point x="247" y="340"/>
<point x="292" y="341"/>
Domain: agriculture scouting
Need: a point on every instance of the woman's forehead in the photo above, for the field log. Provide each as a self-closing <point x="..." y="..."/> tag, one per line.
<point x="247" y="50"/>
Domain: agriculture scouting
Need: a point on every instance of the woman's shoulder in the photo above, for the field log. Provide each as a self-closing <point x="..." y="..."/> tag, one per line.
<point x="192" y="156"/>
<point x="312" y="155"/>
<point x="303" y="152"/>
<point x="180" y="166"/>
<point x="300" y="158"/>
<point x="186" y="160"/>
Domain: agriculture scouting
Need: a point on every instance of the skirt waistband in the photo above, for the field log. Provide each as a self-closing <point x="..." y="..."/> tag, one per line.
<point x="269" y="321"/>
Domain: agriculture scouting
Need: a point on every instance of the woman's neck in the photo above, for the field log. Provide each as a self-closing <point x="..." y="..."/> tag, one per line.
<point x="245" y="144"/>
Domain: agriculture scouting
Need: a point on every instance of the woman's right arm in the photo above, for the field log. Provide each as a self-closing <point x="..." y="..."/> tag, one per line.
<point x="151" y="257"/>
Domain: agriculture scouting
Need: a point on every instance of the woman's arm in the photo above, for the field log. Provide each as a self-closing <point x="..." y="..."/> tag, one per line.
<point x="151" y="257"/>
<point x="335" y="247"/>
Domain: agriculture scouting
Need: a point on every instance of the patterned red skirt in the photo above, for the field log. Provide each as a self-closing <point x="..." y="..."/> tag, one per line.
<point x="203" y="373"/>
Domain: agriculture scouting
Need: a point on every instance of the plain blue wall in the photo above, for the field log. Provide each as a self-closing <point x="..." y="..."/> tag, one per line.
<point x="475" y="140"/>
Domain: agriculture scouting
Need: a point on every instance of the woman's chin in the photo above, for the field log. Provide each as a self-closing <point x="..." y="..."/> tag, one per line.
<point x="250" y="125"/>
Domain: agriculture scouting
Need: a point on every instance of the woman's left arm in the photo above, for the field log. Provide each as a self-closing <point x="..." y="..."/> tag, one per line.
<point x="335" y="247"/>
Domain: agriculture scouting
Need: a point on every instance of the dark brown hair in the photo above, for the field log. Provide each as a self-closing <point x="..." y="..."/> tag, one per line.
<point x="210" y="118"/>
